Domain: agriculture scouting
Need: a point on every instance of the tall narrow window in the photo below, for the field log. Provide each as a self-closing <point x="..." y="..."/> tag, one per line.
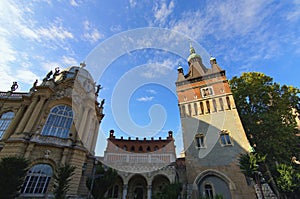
<point x="196" y="108"/>
<point x="221" y="104"/>
<point x="228" y="103"/>
<point x="37" y="179"/>
<point x="183" y="110"/>
<point x="215" y="105"/>
<point x="209" y="191"/>
<point x="202" y="107"/>
<point x="5" y="120"/>
<point x="208" y="106"/>
<point x="59" y="122"/>
<point x="225" y="138"/>
<point x="190" y="109"/>
<point x="200" y="140"/>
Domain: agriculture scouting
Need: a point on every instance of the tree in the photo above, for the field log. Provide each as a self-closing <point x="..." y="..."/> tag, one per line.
<point x="249" y="165"/>
<point x="62" y="178"/>
<point x="12" y="173"/>
<point x="267" y="111"/>
<point x="169" y="191"/>
<point x="103" y="181"/>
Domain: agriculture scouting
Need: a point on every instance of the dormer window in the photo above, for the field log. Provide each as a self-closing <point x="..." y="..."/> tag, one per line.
<point x="207" y="91"/>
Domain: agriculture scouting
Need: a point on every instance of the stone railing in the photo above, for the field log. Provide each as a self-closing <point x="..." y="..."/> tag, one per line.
<point x="139" y="158"/>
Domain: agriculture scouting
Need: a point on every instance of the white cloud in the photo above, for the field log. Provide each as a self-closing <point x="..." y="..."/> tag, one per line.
<point x="162" y="11"/>
<point x="74" y="3"/>
<point x="91" y="34"/>
<point x="158" y="68"/>
<point x="54" y="32"/>
<point x="151" y="91"/>
<point x="294" y="14"/>
<point x="70" y="61"/>
<point x="145" y="99"/>
<point x="132" y="3"/>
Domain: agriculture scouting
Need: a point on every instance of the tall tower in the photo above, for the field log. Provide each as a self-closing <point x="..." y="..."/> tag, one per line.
<point x="213" y="134"/>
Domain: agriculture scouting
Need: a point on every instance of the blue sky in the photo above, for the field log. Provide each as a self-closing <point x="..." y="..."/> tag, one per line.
<point x="37" y="36"/>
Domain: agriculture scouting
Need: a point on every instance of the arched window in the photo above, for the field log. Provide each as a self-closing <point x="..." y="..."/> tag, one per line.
<point x="155" y="148"/>
<point x="5" y="120"/>
<point x="124" y="148"/>
<point x="148" y="148"/>
<point x="140" y="149"/>
<point x="59" y="122"/>
<point x="132" y="148"/>
<point x="209" y="191"/>
<point x="37" y="179"/>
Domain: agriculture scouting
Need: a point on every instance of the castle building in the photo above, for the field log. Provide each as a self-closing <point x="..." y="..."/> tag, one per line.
<point x="213" y="135"/>
<point x="144" y="166"/>
<point x="46" y="127"/>
<point x="57" y="122"/>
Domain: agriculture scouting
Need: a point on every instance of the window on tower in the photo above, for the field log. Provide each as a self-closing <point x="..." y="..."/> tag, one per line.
<point x="225" y="138"/>
<point x="207" y="91"/>
<point x="59" y="122"/>
<point x="200" y="140"/>
<point x="5" y="120"/>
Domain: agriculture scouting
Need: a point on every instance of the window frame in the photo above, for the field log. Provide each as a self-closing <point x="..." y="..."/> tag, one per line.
<point x="225" y="138"/>
<point x="36" y="177"/>
<point x="202" y="141"/>
<point x="208" y="89"/>
<point x="5" y="120"/>
<point x="59" y="122"/>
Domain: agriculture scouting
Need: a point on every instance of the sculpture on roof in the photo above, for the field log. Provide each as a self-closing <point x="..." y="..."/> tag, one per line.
<point x="56" y="72"/>
<point x="48" y="76"/>
<point x="98" y="89"/>
<point x="34" y="86"/>
<point x="14" y="86"/>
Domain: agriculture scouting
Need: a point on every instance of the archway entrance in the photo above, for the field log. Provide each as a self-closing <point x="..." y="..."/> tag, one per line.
<point x="137" y="187"/>
<point x="158" y="184"/>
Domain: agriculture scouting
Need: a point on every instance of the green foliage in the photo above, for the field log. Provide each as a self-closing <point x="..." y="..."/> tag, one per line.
<point x="249" y="163"/>
<point x="287" y="181"/>
<point x="62" y="178"/>
<point x="169" y="191"/>
<point x="267" y="112"/>
<point x="12" y="173"/>
<point x="103" y="181"/>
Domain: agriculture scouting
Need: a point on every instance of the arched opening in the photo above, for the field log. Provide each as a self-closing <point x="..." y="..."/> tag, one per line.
<point x="137" y="187"/>
<point x="211" y="183"/>
<point x="158" y="184"/>
<point x="116" y="191"/>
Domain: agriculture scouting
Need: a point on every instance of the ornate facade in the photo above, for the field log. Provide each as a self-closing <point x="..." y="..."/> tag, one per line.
<point x="48" y="128"/>
<point x="57" y="122"/>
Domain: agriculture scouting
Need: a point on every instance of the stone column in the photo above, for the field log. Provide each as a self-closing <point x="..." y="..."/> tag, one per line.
<point x="125" y="186"/>
<point x="35" y="114"/>
<point x="26" y="115"/>
<point x="149" y="192"/>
